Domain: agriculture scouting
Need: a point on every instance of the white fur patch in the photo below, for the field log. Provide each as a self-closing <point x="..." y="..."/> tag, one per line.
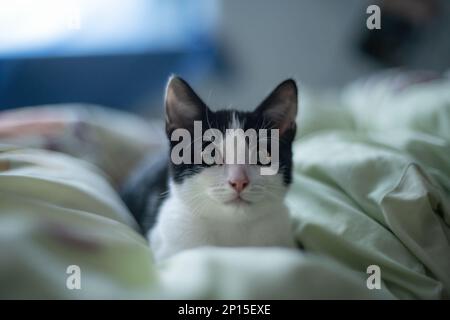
<point x="235" y="122"/>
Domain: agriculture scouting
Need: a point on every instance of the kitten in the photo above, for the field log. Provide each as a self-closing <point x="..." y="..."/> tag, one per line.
<point x="182" y="206"/>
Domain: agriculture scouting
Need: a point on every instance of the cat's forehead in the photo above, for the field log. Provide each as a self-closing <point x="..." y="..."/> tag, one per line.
<point x="231" y="119"/>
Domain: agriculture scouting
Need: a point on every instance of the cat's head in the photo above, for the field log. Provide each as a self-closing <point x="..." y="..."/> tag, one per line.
<point x="228" y="183"/>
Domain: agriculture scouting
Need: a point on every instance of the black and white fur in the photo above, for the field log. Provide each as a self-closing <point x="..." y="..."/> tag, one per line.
<point x="192" y="205"/>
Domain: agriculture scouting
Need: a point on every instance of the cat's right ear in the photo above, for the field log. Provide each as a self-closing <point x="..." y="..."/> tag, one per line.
<point x="279" y="109"/>
<point x="182" y="105"/>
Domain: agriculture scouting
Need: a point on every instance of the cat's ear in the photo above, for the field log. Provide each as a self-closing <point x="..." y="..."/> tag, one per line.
<point x="279" y="109"/>
<point x="182" y="105"/>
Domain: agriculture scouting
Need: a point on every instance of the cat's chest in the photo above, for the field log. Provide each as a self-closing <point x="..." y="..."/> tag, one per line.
<point x="233" y="233"/>
<point x="179" y="228"/>
<point x="208" y="226"/>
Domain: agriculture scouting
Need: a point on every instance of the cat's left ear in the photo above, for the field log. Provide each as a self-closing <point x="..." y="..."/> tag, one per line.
<point x="182" y="105"/>
<point x="279" y="109"/>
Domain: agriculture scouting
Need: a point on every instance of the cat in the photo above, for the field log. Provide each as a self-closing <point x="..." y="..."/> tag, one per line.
<point x="183" y="206"/>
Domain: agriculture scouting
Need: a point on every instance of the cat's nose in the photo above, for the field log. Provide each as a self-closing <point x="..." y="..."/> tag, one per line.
<point x="239" y="184"/>
<point x="238" y="178"/>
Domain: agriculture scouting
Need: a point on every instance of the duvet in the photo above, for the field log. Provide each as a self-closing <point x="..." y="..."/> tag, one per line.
<point x="370" y="204"/>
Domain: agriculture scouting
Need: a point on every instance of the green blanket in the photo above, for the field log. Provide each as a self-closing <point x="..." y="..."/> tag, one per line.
<point x="371" y="188"/>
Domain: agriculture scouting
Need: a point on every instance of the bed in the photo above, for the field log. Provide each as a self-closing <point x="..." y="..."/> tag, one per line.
<point x="371" y="190"/>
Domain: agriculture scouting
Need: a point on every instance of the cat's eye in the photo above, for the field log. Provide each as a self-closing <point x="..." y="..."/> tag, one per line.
<point x="212" y="156"/>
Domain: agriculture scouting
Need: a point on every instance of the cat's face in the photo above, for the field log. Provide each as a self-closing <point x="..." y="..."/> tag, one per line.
<point x="226" y="183"/>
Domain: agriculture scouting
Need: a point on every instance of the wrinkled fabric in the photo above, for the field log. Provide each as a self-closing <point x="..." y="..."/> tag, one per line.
<point x="371" y="187"/>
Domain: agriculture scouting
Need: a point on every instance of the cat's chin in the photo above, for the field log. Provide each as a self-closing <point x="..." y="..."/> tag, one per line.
<point x="238" y="201"/>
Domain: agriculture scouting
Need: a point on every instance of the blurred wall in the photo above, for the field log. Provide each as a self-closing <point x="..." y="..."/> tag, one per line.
<point x="312" y="41"/>
<point x="269" y="40"/>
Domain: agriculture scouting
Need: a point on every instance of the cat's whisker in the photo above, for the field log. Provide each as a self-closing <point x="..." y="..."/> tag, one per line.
<point x="207" y="120"/>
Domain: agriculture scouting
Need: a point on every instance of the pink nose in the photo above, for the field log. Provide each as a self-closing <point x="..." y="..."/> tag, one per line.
<point x="238" y="184"/>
